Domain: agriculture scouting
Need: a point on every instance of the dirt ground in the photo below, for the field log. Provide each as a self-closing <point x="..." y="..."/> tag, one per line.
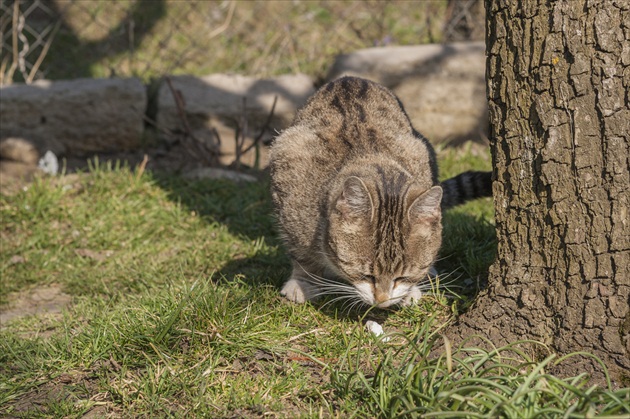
<point x="44" y="300"/>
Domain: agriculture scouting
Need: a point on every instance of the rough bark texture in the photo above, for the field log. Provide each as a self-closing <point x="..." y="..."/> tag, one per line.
<point x="558" y="80"/>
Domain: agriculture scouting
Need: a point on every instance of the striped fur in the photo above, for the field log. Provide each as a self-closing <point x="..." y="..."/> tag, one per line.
<point x="466" y="187"/>
<point x="357" y="198"/>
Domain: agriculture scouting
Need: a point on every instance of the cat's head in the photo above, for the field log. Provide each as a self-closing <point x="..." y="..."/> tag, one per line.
<point x="383" y="236"/>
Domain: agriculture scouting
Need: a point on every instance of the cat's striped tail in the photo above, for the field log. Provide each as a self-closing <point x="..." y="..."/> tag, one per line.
<point x="465" y="187"/>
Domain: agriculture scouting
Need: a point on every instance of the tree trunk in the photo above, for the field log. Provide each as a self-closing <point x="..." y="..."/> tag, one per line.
<point x="558" y="76"/>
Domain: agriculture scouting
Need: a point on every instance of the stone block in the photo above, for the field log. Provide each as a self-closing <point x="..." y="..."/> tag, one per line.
<point x="227" y="103"/>
<point x="75" y="117"/>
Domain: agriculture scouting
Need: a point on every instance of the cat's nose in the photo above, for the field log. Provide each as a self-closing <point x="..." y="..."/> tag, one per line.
<point x="382" y="299"/>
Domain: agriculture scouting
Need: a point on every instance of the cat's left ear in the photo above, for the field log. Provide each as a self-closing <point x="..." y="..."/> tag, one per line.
<point x="426" y="206"/>
<point x="355" y="201"/>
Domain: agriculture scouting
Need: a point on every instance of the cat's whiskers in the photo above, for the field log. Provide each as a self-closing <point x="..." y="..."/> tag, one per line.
<point x="440" y="279"/>
<point x="331" y="287"/>
<point x="440" y="259"/>
<point x="348" y="298"/>
<point x="352" y="305"/>
<point x="323" y="282"/>
<point x="438" y="286"/>
<point x="450" y="284"/>
<point x="340" y="290"/>
<point x="349" y="293"/>
<point x="331" y="284"/>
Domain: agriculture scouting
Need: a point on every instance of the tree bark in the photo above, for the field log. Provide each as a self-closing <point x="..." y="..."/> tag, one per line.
<point x="558" y="76"/>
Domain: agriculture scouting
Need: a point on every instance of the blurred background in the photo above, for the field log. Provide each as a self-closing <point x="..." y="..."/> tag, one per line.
<point x="67" y="39"/>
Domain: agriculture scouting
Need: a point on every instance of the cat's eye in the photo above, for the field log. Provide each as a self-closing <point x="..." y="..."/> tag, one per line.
<point x="401" y="279"/>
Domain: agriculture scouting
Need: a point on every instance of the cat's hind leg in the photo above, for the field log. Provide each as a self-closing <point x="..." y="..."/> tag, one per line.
<point x="297" y="288"/>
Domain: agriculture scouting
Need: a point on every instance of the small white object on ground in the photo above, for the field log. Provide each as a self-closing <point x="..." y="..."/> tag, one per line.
<point x="375" y="328"/>
<point x="49" y="163"/>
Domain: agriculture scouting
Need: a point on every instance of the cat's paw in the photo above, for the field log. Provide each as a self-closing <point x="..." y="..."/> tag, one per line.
<point x="412" y="296"/>
<point x="297" y="291"/>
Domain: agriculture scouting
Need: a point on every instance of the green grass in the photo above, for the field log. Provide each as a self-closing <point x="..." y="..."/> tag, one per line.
<point x="176" y="312"/>
<point x="150" y="39"/>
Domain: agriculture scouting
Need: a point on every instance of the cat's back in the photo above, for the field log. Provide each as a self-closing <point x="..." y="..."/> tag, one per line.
<point x="349" y="117"/>
<point x="344" y="106"/>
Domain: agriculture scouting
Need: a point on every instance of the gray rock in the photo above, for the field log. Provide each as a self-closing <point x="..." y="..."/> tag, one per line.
<point x="441" y="86"/>
<point x="215" y="102"/>
<point x="218" y="173"/>
<point x="76" y="116"/>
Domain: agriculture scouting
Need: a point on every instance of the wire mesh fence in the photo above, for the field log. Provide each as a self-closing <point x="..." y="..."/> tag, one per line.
<point x="27" y="32"/>
<point x="57" y="39"/>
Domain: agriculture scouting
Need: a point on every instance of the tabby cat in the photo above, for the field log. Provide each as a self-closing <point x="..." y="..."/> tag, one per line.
<point x="357" y="197"/>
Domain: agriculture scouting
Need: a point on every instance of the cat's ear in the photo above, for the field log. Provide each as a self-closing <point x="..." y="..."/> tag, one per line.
<point x="354" y="200"/>
<point x="426" y="206"/>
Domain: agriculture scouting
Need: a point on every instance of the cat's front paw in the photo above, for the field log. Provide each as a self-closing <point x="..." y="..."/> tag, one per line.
<point x="298" y="291"/>
<point x="412" y="296"/>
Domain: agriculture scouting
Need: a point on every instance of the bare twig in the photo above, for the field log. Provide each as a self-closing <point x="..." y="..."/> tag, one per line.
<point x="180" y="104"/>
<point x="226" y="24"/>
<point x="218" y="138"/>
<point x="264" y="128"/>
<point x="142" y="166"/>
<point x="16" y="12"/>
<point x="197" y="149"/>
<point x="153" y="123"/>
<point x="42" y="54"/>
<point x="240" y="134"/>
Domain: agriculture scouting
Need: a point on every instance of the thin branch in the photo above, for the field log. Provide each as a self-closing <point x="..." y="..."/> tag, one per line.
<point x="241" y="134"/>
<point x="225" y="24"/>
<point x="43" y="54"/>
<point x="16" y="11"/>
<point x="180" y="104"/>
<point x="153" y="123"/>
<point x="264" y="128"/>
<point x="196" y="149"/>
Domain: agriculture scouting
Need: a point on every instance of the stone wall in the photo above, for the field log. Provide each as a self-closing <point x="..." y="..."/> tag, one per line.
<point x="441" y="86"/>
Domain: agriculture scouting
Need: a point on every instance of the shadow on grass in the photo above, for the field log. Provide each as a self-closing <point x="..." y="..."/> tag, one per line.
<point x="245" y="209"/>
<point x="468" y="249"/>
<point x="72" y="56"/>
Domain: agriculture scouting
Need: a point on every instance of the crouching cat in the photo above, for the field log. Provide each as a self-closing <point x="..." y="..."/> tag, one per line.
<point x="357" y="197"/>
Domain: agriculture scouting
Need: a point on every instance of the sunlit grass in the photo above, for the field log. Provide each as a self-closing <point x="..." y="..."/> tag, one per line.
<point x="101" y="38"/>
<point x="176" y="312"/>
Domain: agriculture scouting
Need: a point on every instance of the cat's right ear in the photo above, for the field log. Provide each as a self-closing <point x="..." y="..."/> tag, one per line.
<point x="427" y="206"/>
<point x="355" y="200"/>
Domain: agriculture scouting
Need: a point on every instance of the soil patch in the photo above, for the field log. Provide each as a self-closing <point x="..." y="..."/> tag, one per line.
<point x="45" y="300"/>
